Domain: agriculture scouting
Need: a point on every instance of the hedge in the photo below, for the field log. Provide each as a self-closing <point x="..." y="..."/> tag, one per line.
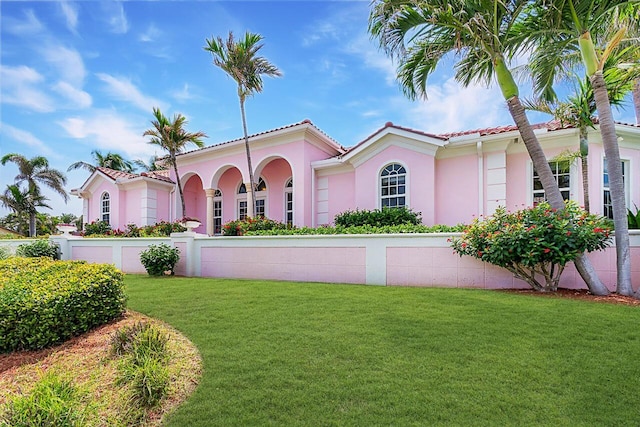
<point x="44" y="302"/>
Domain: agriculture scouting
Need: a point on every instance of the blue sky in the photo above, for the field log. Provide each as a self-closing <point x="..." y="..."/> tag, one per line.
<point x="79" y="76"/>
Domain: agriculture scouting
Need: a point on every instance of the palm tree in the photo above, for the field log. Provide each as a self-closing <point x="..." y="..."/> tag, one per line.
<point x="152" y="166"/>
<point x="173" y="138"/>
<point x="579" y="111"/>
<point x="240" y="61"/>
<point x="23" y="202"/>
<point x="109" y="160"/>
<point x="481" y="35"/>
<point x="559" y="27"/>
<point x="34" y="172"/>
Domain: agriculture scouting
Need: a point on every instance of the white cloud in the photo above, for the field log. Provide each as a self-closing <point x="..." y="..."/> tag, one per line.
<point x="70" y="12"/>
<point x="452" y="107"/>
<point x="24" y="137"/>
<point x="29" y="26"/>
<point x="78" y="97"/>
<point x="372" y="57"/>
<point x="20" y="86"/>
<point x="107" y="130"/>
<point x="122" y="89"/>
<point x="151" y="34"/>
<point x="115" y="17"/>
<point x="67" y="61"/>
<point x="184" y="94"/>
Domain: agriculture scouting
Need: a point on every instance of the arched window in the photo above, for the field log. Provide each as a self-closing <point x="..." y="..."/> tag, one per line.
<point x="105" y="207"/>
<point x="260" y="197"/>
<point x="288" y="202"/>
<point x="393" y="186"/>
<point x="217" y="212"/>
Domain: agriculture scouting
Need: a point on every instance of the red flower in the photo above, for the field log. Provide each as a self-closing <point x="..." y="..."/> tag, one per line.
<point x="547" y="250"/>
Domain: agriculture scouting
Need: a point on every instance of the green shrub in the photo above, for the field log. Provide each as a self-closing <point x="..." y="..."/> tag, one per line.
<point x="249" y="225"/>
<point x="157" y="259"/>
<point x="39" y="248"/>
<point x="377" y="217"/>
<point x="44" y="302"/>
<point x="5" y="252"/>
<point x="364" y="229"/>
<point x="535" y="242"/>
<point x="634" y="219"/>
<point x="52" y="402"/>
<point x="97" y="227"/>
<point x="144" y="366"/>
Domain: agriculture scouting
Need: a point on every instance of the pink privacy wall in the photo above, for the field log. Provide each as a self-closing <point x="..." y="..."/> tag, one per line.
<point x="456" y="193"/>
<point x="318" y="264"/>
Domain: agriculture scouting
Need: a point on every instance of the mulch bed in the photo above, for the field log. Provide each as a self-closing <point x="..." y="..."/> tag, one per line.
<point x="579" y="294"/>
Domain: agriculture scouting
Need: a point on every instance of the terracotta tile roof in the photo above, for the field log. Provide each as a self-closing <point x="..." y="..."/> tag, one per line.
<point x="305" y="121"/>
<point x="161" y="175"/>
<point x="114" y="174"/>
<point x="550" y="125"/>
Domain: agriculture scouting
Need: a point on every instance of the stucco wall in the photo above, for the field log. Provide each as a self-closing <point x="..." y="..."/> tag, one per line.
<point x="456" y="199"/>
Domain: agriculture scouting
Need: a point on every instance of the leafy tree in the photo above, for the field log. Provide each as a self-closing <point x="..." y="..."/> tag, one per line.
<point x="173" y="138"/>
<point x="556" y="28"/>
<point x="109" y="160"/>
<point x="481" y="35"/>
<point x="34" y="172"/>
<point x="240" y="60"/>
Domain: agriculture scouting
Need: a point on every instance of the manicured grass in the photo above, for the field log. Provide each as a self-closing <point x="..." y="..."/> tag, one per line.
<point x="280" y="353"/>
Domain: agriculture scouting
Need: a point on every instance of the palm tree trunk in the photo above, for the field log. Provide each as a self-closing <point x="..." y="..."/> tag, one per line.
<point x="175" y="169"/>
<point x="584" y="160"/>
<point x="616" y="183"/>
<point x="636" y="100"/>
<point x="32" y="224"/>
<point x="550" y="185"/>
<point x="251" y="209"/>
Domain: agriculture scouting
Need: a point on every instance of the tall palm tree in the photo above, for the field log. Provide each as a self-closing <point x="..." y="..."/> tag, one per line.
<point x="579" y="111"/>
<point x="152" y="166"/>
<point x="34" y="172"/>
<point x="419" y="34"/>
<point x="557" y="27"/>
<point x="109" y="160"/>
<point x="23" y="202"/>
<point x="240" y="60"/>
<point x="171" y="136"/>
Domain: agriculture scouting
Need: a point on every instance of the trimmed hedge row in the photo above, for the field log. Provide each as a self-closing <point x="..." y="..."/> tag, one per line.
<point x="44" y="302"/>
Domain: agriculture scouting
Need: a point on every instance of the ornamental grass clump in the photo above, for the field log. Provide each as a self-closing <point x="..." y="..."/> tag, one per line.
<point x="158" y="259"/>
<point x="535" y="244"/>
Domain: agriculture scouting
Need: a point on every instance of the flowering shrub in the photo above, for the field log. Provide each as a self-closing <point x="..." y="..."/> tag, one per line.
<point x="242" y="227"/>
<point x="160" y="229"/>
<point x="157" y="259"/>
<point x="535" y="243"/>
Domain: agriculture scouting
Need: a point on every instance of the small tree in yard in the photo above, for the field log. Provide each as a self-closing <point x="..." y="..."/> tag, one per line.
<point x="535" y="244"/>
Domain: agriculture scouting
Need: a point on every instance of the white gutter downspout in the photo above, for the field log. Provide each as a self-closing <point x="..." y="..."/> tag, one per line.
<point x="480" y="178"/>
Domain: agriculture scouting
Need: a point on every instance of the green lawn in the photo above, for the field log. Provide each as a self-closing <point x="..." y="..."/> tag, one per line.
<point x="279" y="353"/>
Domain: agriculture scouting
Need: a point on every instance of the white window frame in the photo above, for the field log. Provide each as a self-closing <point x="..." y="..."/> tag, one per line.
<point x="258" y="195"/>
<point x="572" y="181"/>
<point x="288" y="199"/>
<point x="217" y="219"/>
<point x="105" y="197"/>
<point x="379" y="178"/>
<point x="626" y="174"/>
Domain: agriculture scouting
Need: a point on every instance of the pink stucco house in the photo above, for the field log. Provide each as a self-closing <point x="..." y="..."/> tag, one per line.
<point x="305" y="177"/>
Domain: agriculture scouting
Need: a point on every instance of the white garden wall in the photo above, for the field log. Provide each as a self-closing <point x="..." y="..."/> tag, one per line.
<point x="392" y="260"/>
